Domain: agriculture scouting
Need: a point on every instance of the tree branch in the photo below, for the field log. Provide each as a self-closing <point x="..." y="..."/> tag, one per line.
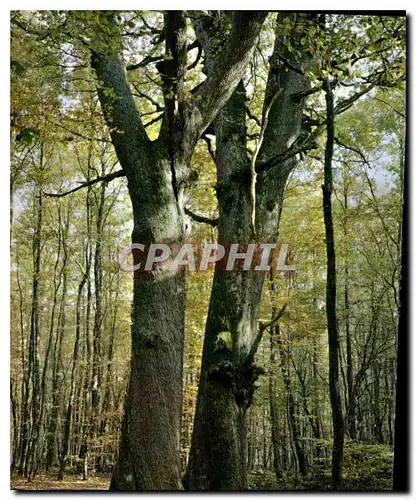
<point x="262" y="328"/>
<point x="283" y="133"/>
<point x="198" y="57"/>
<point x="262" y="166"/>
<point x="349" y="101"/>
<point x="354" y="150"/>
<point x="209" y="145"/>
<point x="158" y="107"/>
<point x="104" y="178"/>
<point x="226" y="72"/>
<point x="310" y="143"/>
<point x="144" y="62"/>
<point x="158" y="117"/>
<point x="201" y="219"/>
<point x="252" y="116"/>
<point x="301" y="95"/>
<point x="287" y="63"/>
<point x="119" y="108"/>
<point x="254" y="158"/>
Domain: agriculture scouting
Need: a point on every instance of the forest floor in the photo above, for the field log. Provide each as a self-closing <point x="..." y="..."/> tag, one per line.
<point x="48" y="482"/>
<point x="366" y="468"/>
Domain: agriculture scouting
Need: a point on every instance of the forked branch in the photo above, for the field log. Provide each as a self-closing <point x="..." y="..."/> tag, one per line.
<point x="263" y="327"/>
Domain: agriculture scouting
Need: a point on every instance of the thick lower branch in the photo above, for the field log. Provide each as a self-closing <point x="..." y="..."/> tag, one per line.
<point x="200" y="218"/>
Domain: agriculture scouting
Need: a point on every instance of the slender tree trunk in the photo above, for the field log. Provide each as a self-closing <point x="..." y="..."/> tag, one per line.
<point x="57" y="370"/>
<point x="107" y="421"/>
<point x="317" y="426"/>
<point x="59" y="271"/>
<point x="33" y="366"/>
<point x="377" y="416"/>
<point x="73" y="382"/>
<point x="274" y="410"/>
<point x="15" y="425"/>
<point x="333" y="338"/>
<point x="88" y="380"/>
<point x="98" y="316"/>
<point x="24" y="391"/>
<point x="291" y="406"/>
<point x="350" y="408"/>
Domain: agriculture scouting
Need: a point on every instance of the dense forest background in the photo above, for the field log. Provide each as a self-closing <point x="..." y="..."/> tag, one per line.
<point x="72" y="216"/>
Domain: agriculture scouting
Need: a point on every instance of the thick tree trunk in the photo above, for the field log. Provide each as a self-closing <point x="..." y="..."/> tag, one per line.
<point x="157" y="172"/>
<point x="149" y="450"/>
<point x="227" y="382"/>
<point x="216" y="453"/>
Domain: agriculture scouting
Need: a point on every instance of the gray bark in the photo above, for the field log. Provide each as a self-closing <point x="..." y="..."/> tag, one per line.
<point x="156" y="173"/>
<point x="227" y="382"/>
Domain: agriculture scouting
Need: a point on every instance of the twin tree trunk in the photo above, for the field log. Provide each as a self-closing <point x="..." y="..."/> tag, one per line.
<point x="227" y="380"/>
<point x="156" y="173"/>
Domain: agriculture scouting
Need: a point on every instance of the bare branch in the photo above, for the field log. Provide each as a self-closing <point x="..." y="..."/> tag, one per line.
<point x="105" y="178"/>
<point x="209" y="145"/>
<point x="158" y="117"/>
<point x="78" y="134"/>
<point x="301" y="95"/>
<point x="144" y="62"/>
<point x="201" y="218"/>
<point x="148" y="26"/>
<point x="253" y="116"/>
<point x="198" y="57"/>
<point x="227" y="70"/>
<point x="149" y="98"/>
<point x="310" y="143"/>
<point x="349" y="101"/>
<point x="354" y="150"/>
<point x="263" y="327"/>
<point x="390" y="106"/>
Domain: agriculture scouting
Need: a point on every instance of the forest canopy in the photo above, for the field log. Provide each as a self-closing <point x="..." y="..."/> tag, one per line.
<point x="269" y="149"/>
